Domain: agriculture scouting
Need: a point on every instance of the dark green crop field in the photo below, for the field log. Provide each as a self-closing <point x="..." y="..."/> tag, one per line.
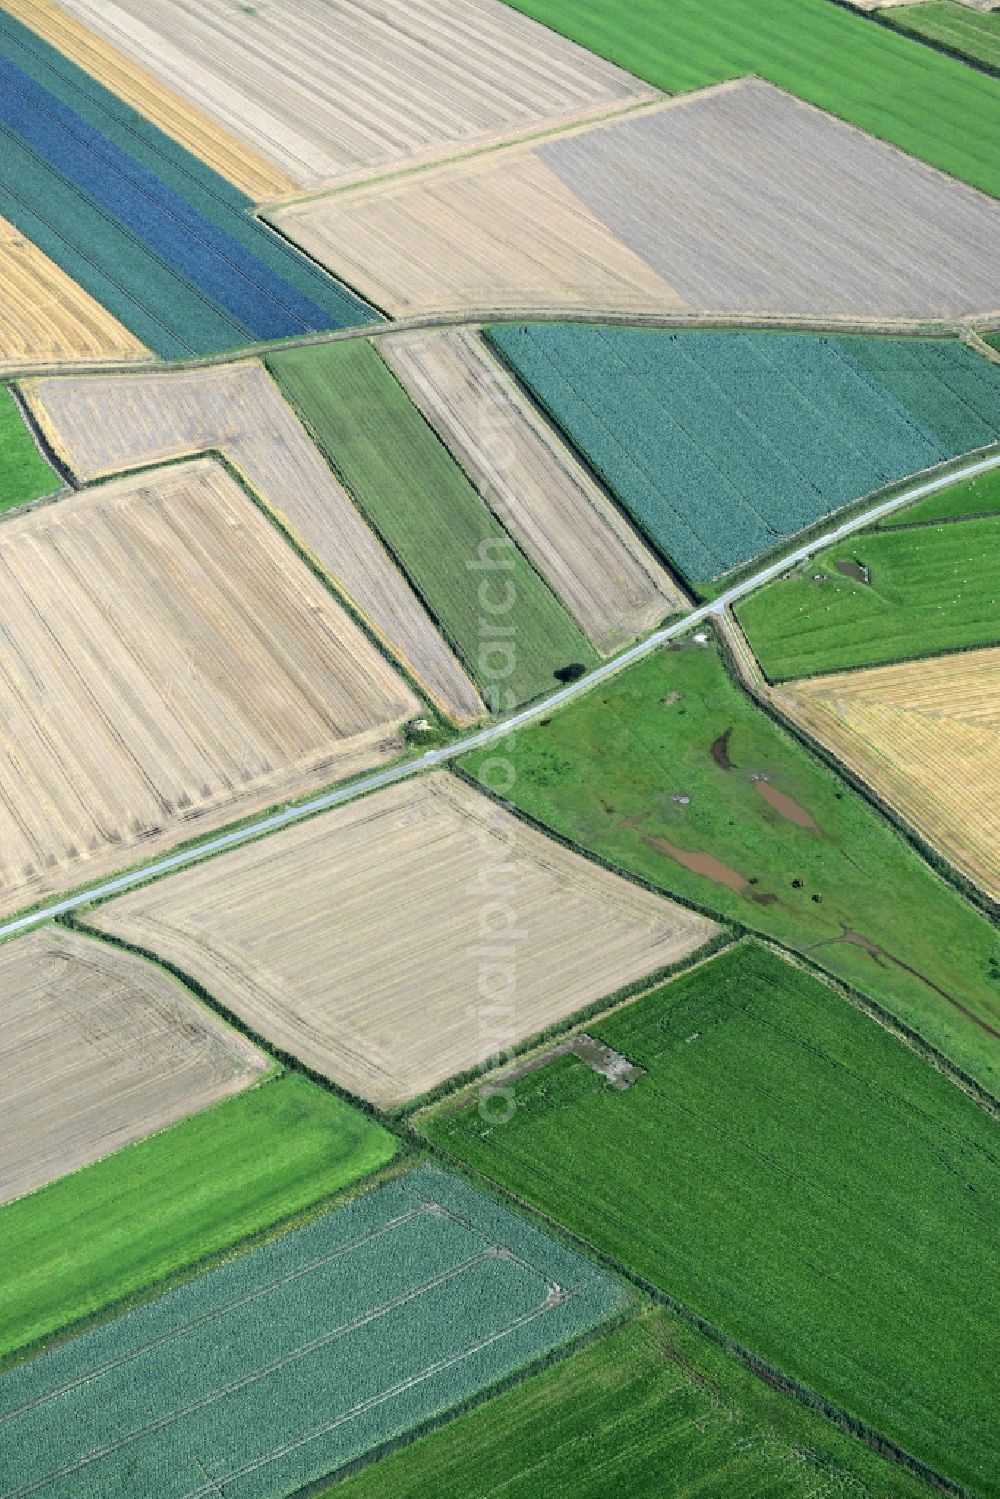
<point x="651" y="1409"/>
<point x="280" y="1366"/>
<point x="721" y="445"/>
<point x="671" y="772"/>
<point x="127" y="1222"/>
<point x="929" y="589"/>
<point x="428" y="514"/>
<point x="24" y="473"/>
<point x="932" y="106"/>
<point x="795" y="1175"/>
<point x="980" y="496"/>
<point x="954" y="26"/>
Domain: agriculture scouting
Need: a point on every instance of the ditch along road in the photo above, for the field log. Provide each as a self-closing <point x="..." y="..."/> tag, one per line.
<point x="496" y="733"/>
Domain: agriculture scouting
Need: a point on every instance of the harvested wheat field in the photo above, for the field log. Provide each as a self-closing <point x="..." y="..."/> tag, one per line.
<point x="406" y="936"/>
<point x="660" y="211"/>
<point x="102" y="425"/>
<point x="925" y="735"/>
<point x="167" y="664"/>
<point x="46" y="315"/>
<point x="175" y="116"/>
<point x="333" y="93"/>
<point x="99" y="1048"/>
<point x="562" y="519"/>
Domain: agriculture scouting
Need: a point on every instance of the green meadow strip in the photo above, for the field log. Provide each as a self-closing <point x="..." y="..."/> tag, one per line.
<point x="156" y="1208"/>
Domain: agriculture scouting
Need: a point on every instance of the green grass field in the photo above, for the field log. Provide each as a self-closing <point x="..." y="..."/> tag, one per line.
<point x="125" y="1223"/>
<point x="652" y="1408"/>
<point x="24" y="473"/>
<point x="930" y="589"/>
<point x="974" y="36"/>
<point x="932" y="106"/>
<point x="428" y="513"/>
<point x="605" y="773"/>
<point x="980" y="496"/>
<point x="795" y="1175"/>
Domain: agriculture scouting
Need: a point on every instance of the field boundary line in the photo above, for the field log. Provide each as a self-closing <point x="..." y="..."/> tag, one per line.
<point x="477" y="317"/>
<point x="496" y="732"/>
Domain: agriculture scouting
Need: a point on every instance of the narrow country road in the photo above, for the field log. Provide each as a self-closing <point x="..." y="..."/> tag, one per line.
<point x="498" y="731"/>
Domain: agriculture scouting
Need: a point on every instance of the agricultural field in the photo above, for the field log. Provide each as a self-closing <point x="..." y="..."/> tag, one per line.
<point x="607" y="577"/>
<point x="24" y="473"/>
<point x="955" y="28"/>
<point x="100" y="1049"/>
<point x="888" y="85"/>
<point x="159" y="239"/>
<point x="180" y="118"/>
<point x="409" y="80"/>
<point x="880" y="596"/>
<point x="156" y="1209"/>
<point x="171" y="665"/>
<point x="721" y="445"/>
<point x="926" y="736"/>
<point x="430" y="875"/>
<point x="651" y="1397"/>
<point x="772" y="1120"/>
<point x="979" y="496"/>
<point x="429" y="516"/>
<point x="671" y="773"/>
<point x="48" y="316"/>
<point x="100" y="425"/>
<point x="675" y="208"/>
<point x="287" y="1363"/>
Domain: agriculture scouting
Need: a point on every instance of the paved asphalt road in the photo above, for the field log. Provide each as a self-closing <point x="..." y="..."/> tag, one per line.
<point x="499" y="730"/>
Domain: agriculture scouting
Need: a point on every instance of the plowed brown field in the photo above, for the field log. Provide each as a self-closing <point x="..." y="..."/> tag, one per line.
<point x="167" y="664"/>
<point x="403" y="937"/>
<point x="926" y="736"/>
<point x="736" y="201"/>
<point x="600" y="568"/>
<point x="99" y="1048"/>
<point x="333" y="93"/>
<point x="102" y="425"/>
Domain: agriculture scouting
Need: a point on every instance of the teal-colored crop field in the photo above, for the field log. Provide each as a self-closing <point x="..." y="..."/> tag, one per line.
<point x="432" y="519"/>
<point x="932" y="106"/>
<point x="275" y="1369"/>
<point x="671" y="772"/>
<point x="24" y="473"/>
<point x="980" y="496"/>
<point x="929" y="589"/>
<point x="722" y="445"/>
<point x="965" y="32"/>
<point x="793" y="1174"/>
<point x="130" y="1220"/>
<point x="651" y="1408"/>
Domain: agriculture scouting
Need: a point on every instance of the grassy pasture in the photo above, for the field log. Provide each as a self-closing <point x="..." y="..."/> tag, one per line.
<point x="123" y="1224"/>
<point x="980" y="496"/>
<point x="273" y="1370"/>
<point x="967" y="32"/>
<point x="650" y="1408"/>
<point x="722" y="444"/>
<point x="606" y="771"/>
<point x="429" y="516"/>
<point x="930" y="589"/>
<point x="24" y="473"/>
<point x="795" y="1175"/>
<point x="931" y="106"/>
